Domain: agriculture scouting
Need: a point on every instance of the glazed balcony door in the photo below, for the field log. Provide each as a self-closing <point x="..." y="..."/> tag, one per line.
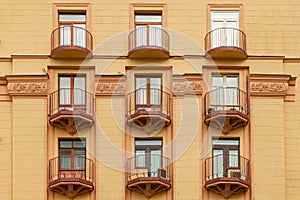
<point x="225" y="156"/>
<point x="148" y="30"/>
<point x="224" y="91"/>
<point x="72" y="29"/>
<point x="227" y="22"/>
<point x="148" y="90"/>
<point x="148" y="155"/>
<point x="72" y="90"/>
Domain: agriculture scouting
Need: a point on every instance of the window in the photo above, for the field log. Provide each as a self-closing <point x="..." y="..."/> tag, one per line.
<point x="148" y="29"/>
<point x="148" y="155"/>
<point x="72" y="154"/>
<point x="225" y="156"/>
<point x="72" y="29"/>
<point x="227" y="23"/>
<point x="72" y="90"/>
<point x="224" y="90"/>
<point x="148" y="90"/>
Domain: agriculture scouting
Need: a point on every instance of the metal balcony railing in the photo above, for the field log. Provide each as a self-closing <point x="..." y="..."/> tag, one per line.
<point x="225" y="99"/>
<point x="71" y="99"/>
<point x="71" y="36"/>
<point x="78" y="168"/>
<point x="215" y="168"/>
<point x="149" y="100"/>
<point x="151" y="166"/>
<point x="148" y="37"/>
<point x="225" y="37"/>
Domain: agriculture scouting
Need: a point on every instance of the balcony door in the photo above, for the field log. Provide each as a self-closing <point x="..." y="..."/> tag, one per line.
<point x="227" y="23"/>
<point x="224" y="91"/>
<point x="72" y="154"/>
<point x="148" y="155"/>
<point x="148" y="29"/>
<point x="225" y="156"/>
<point x="72" y="29"/>
<point x="72" y="90"/>
<point x="148" y="91"/>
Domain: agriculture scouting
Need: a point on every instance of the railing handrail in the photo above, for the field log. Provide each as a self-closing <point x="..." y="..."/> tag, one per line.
<point x="165" y="39"/>
<point x="54" y="101"/>
<point x="243" y="167"/>
<point x="54" y="45"/>
<point x="241" y="99"/>
<point x="148" y="171"/>
<point x="55" y="169"/>
<point x="239" y="41"/>
<point x="165" y="101"/>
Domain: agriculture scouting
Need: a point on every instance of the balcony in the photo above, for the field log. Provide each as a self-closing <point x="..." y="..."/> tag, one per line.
<point x="227" y="181"/>
<point x="148" y="110"/>
<point x="71" y="109"/>
<point x="150" y="176"/>
<point x="226" y="109"/>
<point x="72" y="181"/>
<point x="148" y="42"/>
<point x="226" y="43"/>
<point x="71" y="42"/>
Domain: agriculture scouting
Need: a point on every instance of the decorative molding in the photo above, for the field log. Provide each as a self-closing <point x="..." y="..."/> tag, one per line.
<point x="110" y="85"/>
<point x="273" y="85"/>
<point x="27" y="85"/>
<point x="190" y="84"/>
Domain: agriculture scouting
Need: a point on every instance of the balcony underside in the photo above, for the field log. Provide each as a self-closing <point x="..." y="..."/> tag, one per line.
<point x="149" y="186"/>
<point x="72" y="52"/>
<point x="227" y="186"/>
<point x="149" y="121"/>
<point x="71" y="187"/>
<point x="227" y="52"/>
<point x="71" y="121"/>
<point x="226" y="120"/>
<point x="149" y="52"/>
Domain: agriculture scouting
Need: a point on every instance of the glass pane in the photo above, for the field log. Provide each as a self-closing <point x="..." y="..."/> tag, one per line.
<point x="141" y="93"/>
<point x="217" y="95"/>
<point x="155" y="162"/>
<point x="65" y="35"/>
<point x="148" y="18"/>
<point x="72" y="18"/>
<point x="218" y="169"/>
<point x="155" y="92"/>
<point x="155" y="35"/>
<point x="64" y="92"/>
<point x="65" y="144"/>
<point x="233" y="158"/>
<point x="65" y="162"/>
<point x="79" y="34"/>
<point x="217" y="81"/>
<point x="79" y="90"/>
<point x="148" y="142"/>
<point x="141" y="35"/>
<point x="79" y="162"/>
<point x="79" y="144"/>
<point x="225" y="142"/>
<point x="140" y="159"/>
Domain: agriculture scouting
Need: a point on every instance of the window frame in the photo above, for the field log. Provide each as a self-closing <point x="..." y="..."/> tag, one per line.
<point x="72" y="167"/>
<point x="148" y="89"/>
<point x="226" y="155"/>
<point x="72" y="77"/>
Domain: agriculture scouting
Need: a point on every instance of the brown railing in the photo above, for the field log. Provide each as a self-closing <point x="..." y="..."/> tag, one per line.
<point x="148" y="37"/>
<point x="148" y="165"/>
<point x="225" y="37"/>
<point x="74" y="99"/>
<point x="71" y="36"/>
<point x="82" y="169"/>
<point x="150" y="100"/>
<point x="214" y="168"/>
<point x="229" y="98"/>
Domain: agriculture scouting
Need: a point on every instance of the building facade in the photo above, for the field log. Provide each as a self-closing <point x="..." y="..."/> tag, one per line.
<point x="160" y="100"/>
